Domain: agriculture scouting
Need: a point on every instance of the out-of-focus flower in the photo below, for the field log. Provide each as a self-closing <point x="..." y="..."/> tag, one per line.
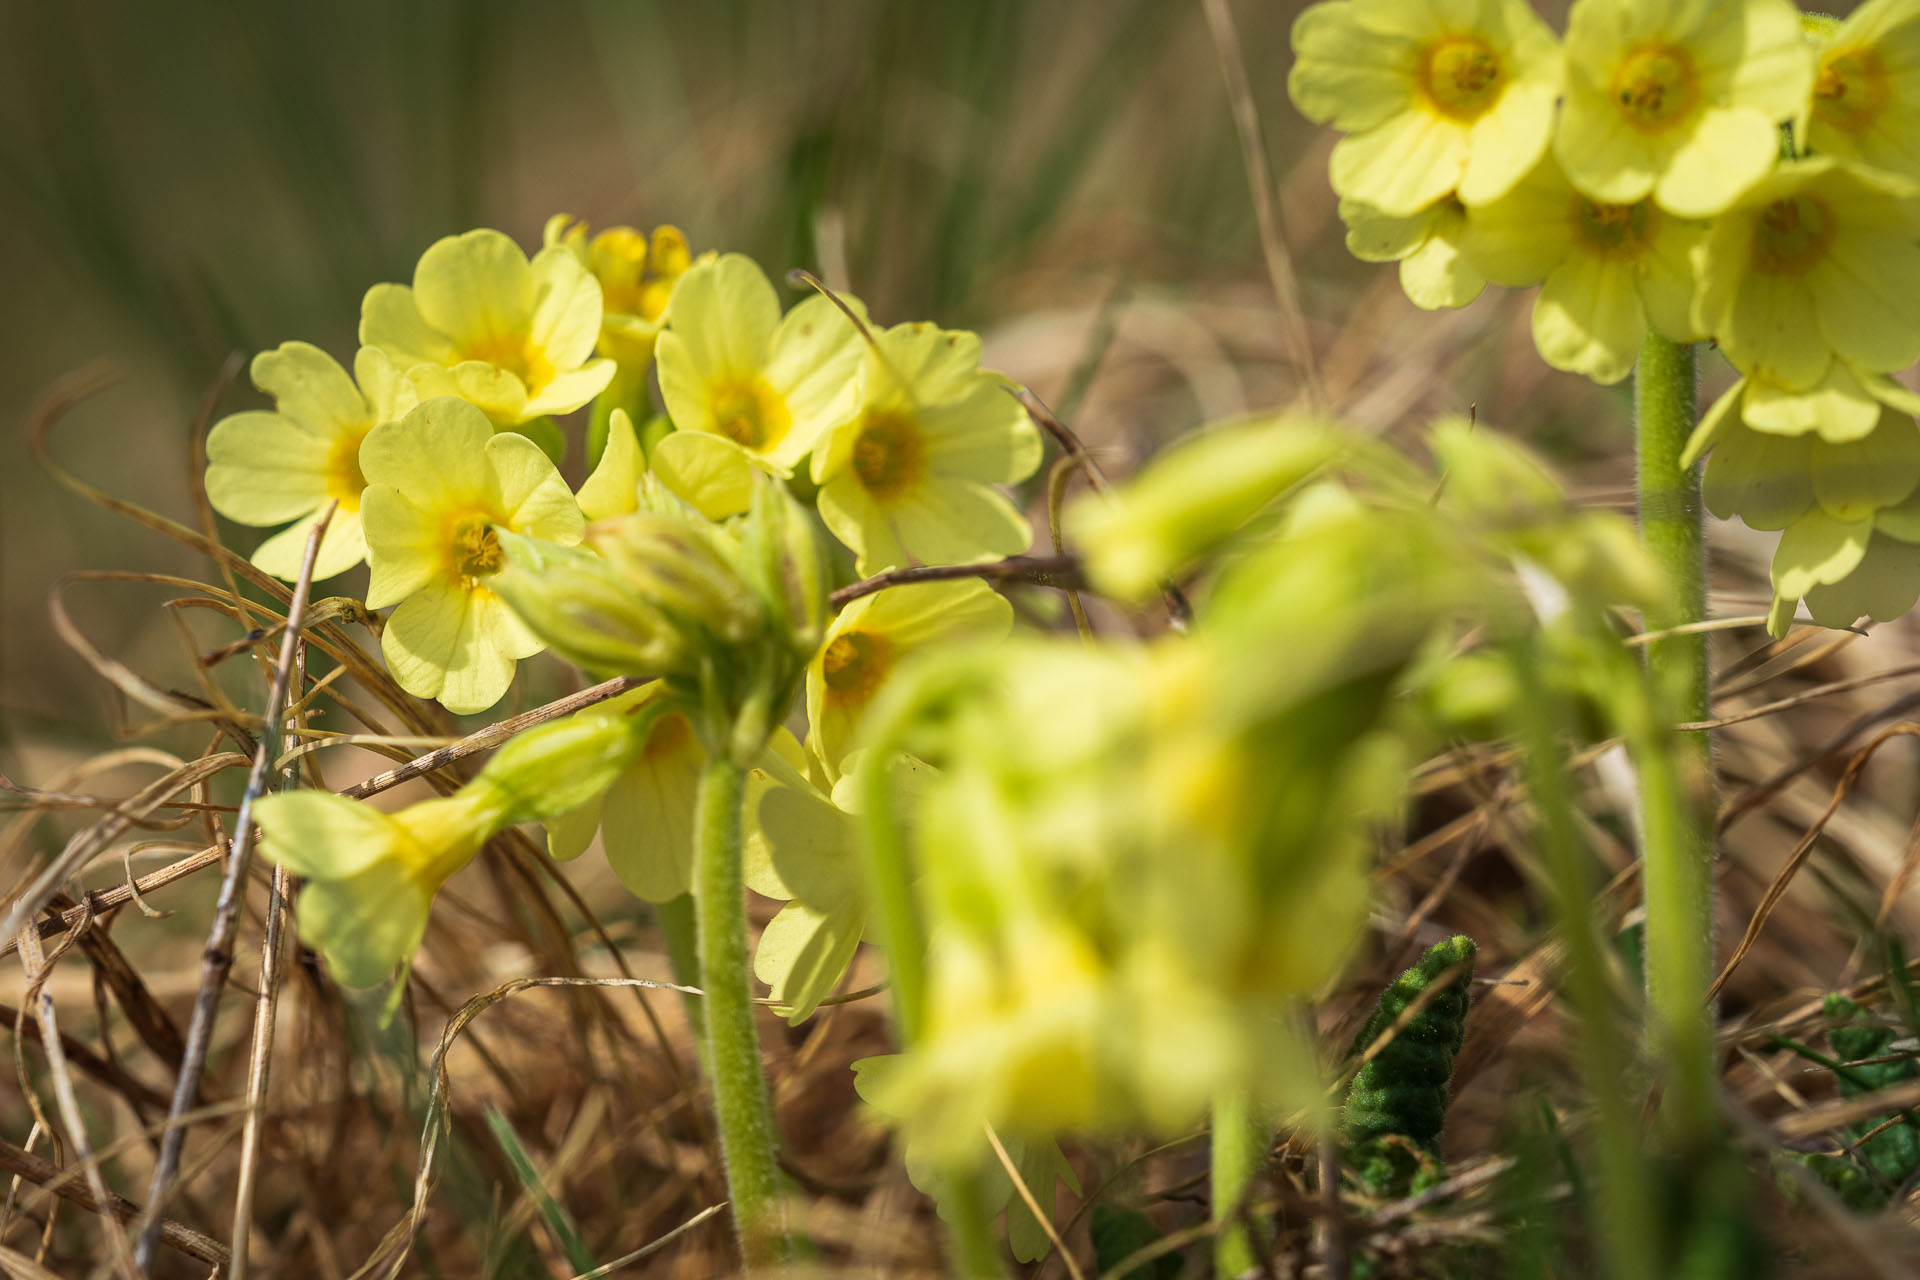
<point x="1610" y="270"/>
<point x="1434" y="101"/>
<point x="481" y="322"/>
<point x="441" y="489"/>
<point x="1679" y="102"/>
<point x="264" y="468"/>
<point x="1866" y="94"/>
<point x="637" y="274"/>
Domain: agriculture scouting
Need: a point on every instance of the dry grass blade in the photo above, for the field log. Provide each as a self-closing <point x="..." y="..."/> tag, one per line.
<point x="1777" y="889"/>
<point x="1061" y="572"/>
<point x="96" y="904"/>
<point x="652" y="1246"/>
<point x="1801" y="699"/>
<point x="182" y="1239"/>
<point x="1845" y="1111"/>
<point x="1044" y="1218"/>
<point x="217" y="960"/>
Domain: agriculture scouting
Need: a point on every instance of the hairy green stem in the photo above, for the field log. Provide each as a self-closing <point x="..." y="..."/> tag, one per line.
<point x="1625" y="1204"/>
<point x="1676" y="770"/>
<point x="1239" y="1149"/>
<point x="733" y="1045"/>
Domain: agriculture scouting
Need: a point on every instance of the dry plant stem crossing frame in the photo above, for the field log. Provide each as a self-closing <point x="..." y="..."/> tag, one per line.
<point x="217" y="959"/>
<point x="740" y="1100"/>
<point x="1676" y="770"/>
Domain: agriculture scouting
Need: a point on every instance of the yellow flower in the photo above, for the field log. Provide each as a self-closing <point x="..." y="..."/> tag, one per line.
<point x="1866" y="95"/>
<point x="1847" y="569"/>
<point x="440" y="485"/>
<point x="263" y="468"/>
<point x="371" y="876"/>
<point x="1610" y="270"/>
<point x="909" y="475"/>
<point x="1844" y="405"/>
<point x="1819" y="261"/>
<point x="636" y="275"/>
<point x="1678" y="100"/>
<point x="1435" y="98"/>
<point x="1434" y="272"/>
<point x="1771" y="480"/>
<point x="744" y="386"/>
<point x="869" y="639"/>
<point x="482" y="323"/>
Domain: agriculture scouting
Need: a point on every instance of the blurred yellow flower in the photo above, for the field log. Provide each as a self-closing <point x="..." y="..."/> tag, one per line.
<point x="440" y="485"/>
<point x="263" y="468"/>
<point x="1610" y="270"/>
<point x="1770" y="480"/>
<point x="481" y="322"/>
<point x="1821" y="260"/>
<point x="909" y="474"/>
<point x="746" y="387"/>
<point x="869" y="639"/>
<point x="636" y="274"/>
<point x="1866" y="94"/>
<point x="1678" y="100"/>
<point x="1435" y="99"/>
<point x="1434" y="271"/>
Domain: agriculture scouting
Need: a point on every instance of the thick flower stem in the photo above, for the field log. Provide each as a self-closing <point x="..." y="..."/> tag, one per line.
<point x="733" y="1046"/>
<point x="1239" y="1149"/>
<point x="1676" y="817"/>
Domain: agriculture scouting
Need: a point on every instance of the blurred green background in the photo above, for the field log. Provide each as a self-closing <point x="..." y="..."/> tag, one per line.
<point x="187" y="182"/>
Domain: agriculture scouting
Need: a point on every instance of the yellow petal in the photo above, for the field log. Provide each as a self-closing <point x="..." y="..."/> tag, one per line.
<point x="803" y="953"/>
<point x="389" y="393"/>
<point x="263" y="469"/>
<point x="343" y="546"/>
<point x="565" y="392"/>
<point x="1588" y="318"/>
<point x="723" y="314"/>
<point x="861" y="524"/>
<point x="436" y="455"/>
<point x="1763" y="479"/>
<point x="1817" y="549"/>
<point x="1402" y="165"/>
<point x="985" y="436"/>
<point x="1884" y="586"/>
<point x="391" y="321"/>
<point x="475" y="287"/>
<point x="646" y="823"/>
<point x="323" y="836"/>
<point x="1726" y="154"/>
<point x="955" y="521"/>
<point x="437" y="645"/>
<point x="405" y="545"/>
<point x="1346" y="73"/>
<point x="1852" y="481"/>
<point x="365" y="927"/>
<point x="309" y="387"/>
<point x="527" y="490"/>
<point x="614" y="487"/>
<point x="709" y="472"/>
<point x="1869" y="298"/>
<point x="495" y="392"/>
<point x="566" y="307"/>
<point x="1507" y="142"/>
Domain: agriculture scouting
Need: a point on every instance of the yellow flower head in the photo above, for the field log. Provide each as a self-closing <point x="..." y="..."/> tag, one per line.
<point x="1866" y="94"/>
<point x="1819" y="261"/>
<point x="1610" y="270"/>
<point x="263" y="468"/>
<point x="636" y="275"/>
<point x="870" y="638"/>
<point x="746" y="387"/>
<point x="1679" y="100"/>
<point x="1848" y="569"/>
<point x="910" y="474"/>
<point x="1434" y="271"/>
<point x="1771" y="480"/>
<point x="1436" y="97"/>
<point x="371" y="876"/>
<point x="440" y="486"/>
<point x="482" y="323"/>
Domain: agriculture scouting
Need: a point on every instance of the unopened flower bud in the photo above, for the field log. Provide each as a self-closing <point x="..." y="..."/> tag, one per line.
<point x="584" y="610"/>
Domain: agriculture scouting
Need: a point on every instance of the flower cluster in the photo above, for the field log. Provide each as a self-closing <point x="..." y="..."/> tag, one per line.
<point x="1729" y="171"/>
<point x="687" y="554"/>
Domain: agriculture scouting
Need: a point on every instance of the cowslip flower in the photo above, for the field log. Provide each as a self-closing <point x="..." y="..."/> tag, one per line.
<point x="481" y="322"/>
<point x="1432" y="101"/>
<point x="264" y="468"/>
<point x="1866" y="93"/>
<point x="636" y="274"/>
<point x="1609" y="270"/>
<point x="1883" y="584"/>
<point x="1434" y="271"/>
<point x="441" y="485"/>
<point x="1819" y="261"/>
<point x="1770" y="480"/>
<point x="909" y="475"/>
<point x="372" y="876"/>
<point x="1679" y="101"/>
<point x="1844" y="405"/>
<point x="746" y="387"/>
<point x="871" y="636"/>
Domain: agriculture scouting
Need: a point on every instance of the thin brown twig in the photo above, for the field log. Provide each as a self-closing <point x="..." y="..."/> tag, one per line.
<point x="1062" y="572"/>
<point x="60" y="1181"/>
<point x="1819" y="691"/>
<point x="217" y="960"/>
<point x="1040" y="1215"/>
<point x="1273" y="246"/>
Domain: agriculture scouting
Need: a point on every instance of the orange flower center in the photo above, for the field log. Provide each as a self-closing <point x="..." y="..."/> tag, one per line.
<point x="1851" y="91"/>
<point x="1620" y="232"/>
<point x="1791" y="236"/>
<point x="854" y="665"/>
<point x="474" y="548"/>
<point x="1656" y="87"/>
<point x="1461" y="76"/>
<point x="747" y="412"/>
<point x="343" y="479"/>
<point x="669" y="734"/>
<point x="888" y="455"/>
